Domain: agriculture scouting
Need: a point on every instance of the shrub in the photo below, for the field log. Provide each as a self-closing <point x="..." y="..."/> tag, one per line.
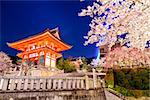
<point x="109" y="79"/>
<point x="132" y="78"/>
<point x="135" y="93"/>
<point x="65" y="65"/>
<point x="129" y="82"/>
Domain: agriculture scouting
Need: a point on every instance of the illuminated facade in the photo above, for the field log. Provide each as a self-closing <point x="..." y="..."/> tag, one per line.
<point x="43" y="48"/>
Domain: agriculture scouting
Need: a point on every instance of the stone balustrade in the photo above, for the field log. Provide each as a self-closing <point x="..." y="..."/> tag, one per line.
<point x="87" y="87"/>
<point x="30" y="83"/>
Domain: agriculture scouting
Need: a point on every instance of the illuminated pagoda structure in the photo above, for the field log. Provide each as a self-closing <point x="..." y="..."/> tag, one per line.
<point x="43" y="48"/>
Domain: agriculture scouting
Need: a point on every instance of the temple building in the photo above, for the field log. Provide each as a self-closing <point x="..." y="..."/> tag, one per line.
<point x="43" y="48"/>
<point x="104" y="49"/>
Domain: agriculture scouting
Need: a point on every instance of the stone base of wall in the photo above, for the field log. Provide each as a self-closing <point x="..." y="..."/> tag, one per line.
<point x="96" y="94"/>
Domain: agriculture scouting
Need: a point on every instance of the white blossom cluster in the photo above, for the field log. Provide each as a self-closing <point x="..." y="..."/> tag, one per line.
<point x="5" y="61"/>
<point x="139" y="29"/>
<point x="95" y="63"/>
<point x="111" y="18"/>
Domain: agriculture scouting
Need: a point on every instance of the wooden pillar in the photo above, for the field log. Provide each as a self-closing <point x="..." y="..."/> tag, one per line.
<point x="22" y="60"/>
<point x="45" y="57"/>
<point x="50" y="60"/>
<point x="53" y="58"/>
<point x="38" y="58"/>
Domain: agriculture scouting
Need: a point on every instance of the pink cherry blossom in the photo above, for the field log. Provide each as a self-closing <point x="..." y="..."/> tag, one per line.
<point x="127" y="57"/>
<point x="5" y="61"/>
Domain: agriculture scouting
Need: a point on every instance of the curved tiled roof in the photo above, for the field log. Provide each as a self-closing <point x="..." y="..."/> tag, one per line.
<point x="54" y="33"/>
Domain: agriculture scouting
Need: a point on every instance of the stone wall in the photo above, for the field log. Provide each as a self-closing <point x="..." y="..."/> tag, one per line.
<point x="93" y="94"/>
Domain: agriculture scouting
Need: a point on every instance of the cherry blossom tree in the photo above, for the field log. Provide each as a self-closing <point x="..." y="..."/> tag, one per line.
<point x="5" y="62"/>
<point x="111" y="18"/>
<point x="127" y="57"/>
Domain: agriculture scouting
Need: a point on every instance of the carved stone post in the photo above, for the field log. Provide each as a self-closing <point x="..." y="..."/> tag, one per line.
<point x="37" y="98"/>
<point x="94" y="78"/>
<point x="26" y="84"/>
<point x="65" y="84"/>
<point x="38" y="84"/>
<point x="54" y="84"/>
<point x="5" y="84"/>
<point x="78" y="84"/>
<point x="49" y="86"/>
<point x="86" y="82"/>
<point x="19" y="84"/>
<point x="32" y="84"/>
<point x="1" y="83"/>
<point x="82" y="84"/>
<point x="12" y="85"/>
<point x="69" y="84"/>
<point x="59" y="84"/>
<point x="11" y="99"/>
<point x="103" y="83"/>
<point x="74" y="84"/>
<point x="43" y="84"/>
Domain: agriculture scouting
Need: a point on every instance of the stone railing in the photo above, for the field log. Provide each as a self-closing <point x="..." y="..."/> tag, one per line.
<point x="86" y="87"/>
<point x="23" y="83"/>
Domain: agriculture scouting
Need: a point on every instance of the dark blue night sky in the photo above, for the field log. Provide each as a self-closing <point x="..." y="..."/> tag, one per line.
<point x="23" y="19"/>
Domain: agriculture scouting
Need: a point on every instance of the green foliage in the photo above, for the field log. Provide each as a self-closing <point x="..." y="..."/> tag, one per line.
<point x="123" y="91"/>
<point x="65" y="65"/>
<point x="134" y="93"/>
<point x="84" y="66"/>
<point x="109" y="79"/>
<point x="133" y="78"/>
<point x="84" y="60"/>
<point x="129" y="82"/>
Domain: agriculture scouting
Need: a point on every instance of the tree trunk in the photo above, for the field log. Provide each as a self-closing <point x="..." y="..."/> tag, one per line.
<point x="114" y="75"/>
